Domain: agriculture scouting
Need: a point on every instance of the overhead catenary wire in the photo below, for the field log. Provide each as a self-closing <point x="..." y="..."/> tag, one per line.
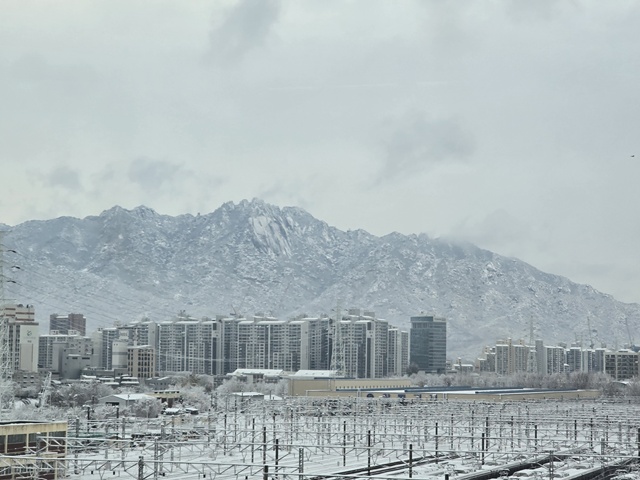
<point x="158" y="353"/>
<point x="89" y="302"/>
<point x="164" y="316"/>
<point x="86" y="300"/>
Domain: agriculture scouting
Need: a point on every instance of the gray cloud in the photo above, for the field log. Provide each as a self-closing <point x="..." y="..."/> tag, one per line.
<point x="541" y="95"/>
<point x="152" y="174"/>
<point x="64" y="177"/>
<point x="414" y="142"/>
<point x="540" y="10"/>
<point x="500" y="231"/>
<point x="244" y="27"/>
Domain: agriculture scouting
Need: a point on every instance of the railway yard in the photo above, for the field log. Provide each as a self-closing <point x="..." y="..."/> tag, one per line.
<point x="306" y="439"/>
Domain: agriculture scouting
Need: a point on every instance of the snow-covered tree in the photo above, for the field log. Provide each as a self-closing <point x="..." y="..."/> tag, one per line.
<point x="197" y="397"/>
<point x="149" y="407"/>
<point x="231" y="386"/>
<point x="78" y="394"/>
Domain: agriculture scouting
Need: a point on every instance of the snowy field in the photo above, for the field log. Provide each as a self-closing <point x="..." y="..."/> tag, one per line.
<point x="303" y="438"/>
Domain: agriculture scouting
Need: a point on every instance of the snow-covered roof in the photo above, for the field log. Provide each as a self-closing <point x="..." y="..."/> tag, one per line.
<point x="315" y="373"/>
<point x="257" y="371"/>
<point x="273" y="398"/>
<point x="171" y="411"/>
<point x="249" y="394"/>
<point x="130" y="396"/>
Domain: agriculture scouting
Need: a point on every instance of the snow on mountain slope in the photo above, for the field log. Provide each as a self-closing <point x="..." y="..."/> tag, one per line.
<point x="254" y="257"/>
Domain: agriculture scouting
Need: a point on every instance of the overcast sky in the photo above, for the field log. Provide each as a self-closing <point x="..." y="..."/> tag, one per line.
<point x="510" y="124"/>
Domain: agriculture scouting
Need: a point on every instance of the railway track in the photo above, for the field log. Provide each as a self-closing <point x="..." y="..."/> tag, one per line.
<point x="603" y="472"/>
<point x="509" y="469"/>
<point x="381" y="469"/>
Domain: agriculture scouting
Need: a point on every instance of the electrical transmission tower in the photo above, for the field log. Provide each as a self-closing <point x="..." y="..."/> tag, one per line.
<point x="337" y="350"/>
<point x="6" y="364"/>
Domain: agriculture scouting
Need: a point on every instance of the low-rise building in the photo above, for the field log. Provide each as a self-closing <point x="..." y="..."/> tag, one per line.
<point x="33" y="450"/>
<point x="124" y="400"/>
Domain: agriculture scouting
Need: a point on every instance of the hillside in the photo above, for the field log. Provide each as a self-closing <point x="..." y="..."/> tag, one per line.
<point x="254" y="257"/>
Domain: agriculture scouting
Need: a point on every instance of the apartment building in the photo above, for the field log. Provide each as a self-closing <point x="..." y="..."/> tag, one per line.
<point x="398" y="356"/>
<point x="22" y="337"/>
<point x="363" y="357"/>
<point x="52" y="345"/>
<point x="64" y="323"/>
<point x="555" y="359"/>
<point x="187" y="344"/>
<point x="225" y="344"/>
<point x="110" y="345"/>
<point x="506" y="358"/>
<point x="318" y="343"/>
<point x="141" y="361"/>
<point x="622" y="365"/>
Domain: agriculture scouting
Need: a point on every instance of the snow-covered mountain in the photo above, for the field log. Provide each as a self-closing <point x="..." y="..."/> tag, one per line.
<point x="254" y="257"/>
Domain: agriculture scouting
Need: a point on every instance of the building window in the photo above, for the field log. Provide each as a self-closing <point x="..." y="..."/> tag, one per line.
<point x="16" y="442"/>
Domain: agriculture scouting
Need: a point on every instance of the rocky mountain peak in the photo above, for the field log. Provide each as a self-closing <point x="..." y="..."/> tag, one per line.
<point x="124" y="264"/>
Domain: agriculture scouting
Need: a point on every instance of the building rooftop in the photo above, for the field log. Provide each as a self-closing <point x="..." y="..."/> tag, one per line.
<point x="257" y="371"/>
<point x="315" y="373"/>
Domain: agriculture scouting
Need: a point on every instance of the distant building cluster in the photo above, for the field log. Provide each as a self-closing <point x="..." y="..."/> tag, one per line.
<point x="507" y="357"/>
<point x="358" y="345"/>
<point x="371" y="348"/>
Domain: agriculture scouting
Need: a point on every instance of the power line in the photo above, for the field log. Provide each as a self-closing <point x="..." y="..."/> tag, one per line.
<point x="87" y="300"/>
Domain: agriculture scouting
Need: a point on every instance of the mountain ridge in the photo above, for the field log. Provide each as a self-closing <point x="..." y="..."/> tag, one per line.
<point x="253" y="257"/>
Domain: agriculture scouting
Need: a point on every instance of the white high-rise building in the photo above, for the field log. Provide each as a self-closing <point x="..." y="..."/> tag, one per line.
<point x="23" y="332"/>
<point x="187" y="344"/>
<point x="223" y="345"/>
<point x="398" y="358"/>
<point x="555" y="359"/>
<point x="119" y="350"/>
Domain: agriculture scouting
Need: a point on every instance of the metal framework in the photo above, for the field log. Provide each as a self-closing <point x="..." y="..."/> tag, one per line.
<point x="345" y="438"/>
<point x="337" y="363"/>
<point x="6" y="364"/>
